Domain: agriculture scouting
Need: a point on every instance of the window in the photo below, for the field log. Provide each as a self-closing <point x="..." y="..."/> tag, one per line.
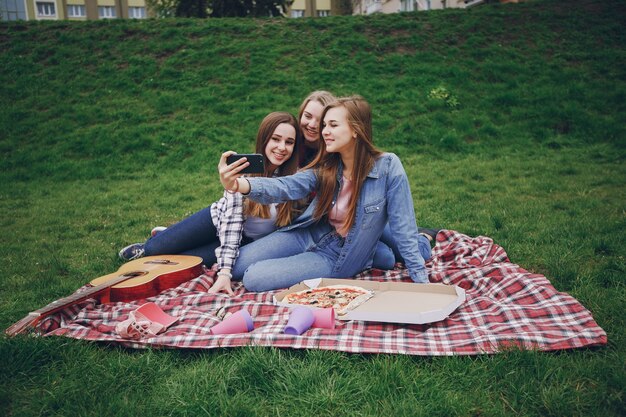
<point x="297" y="13"/>
<point x="45" y="9"/>
<point x="373" y="6"/>
<point x="323" y="13"/>
<point x="75" y="10"/>
<point x="106" y="12"/>
<point x="136" y="12"/>
<point x="407" y="6"/>
<point x="12" y="10"/>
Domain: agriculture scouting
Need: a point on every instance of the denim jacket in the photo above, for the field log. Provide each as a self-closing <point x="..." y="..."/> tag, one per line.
<point x="385" y="197"/>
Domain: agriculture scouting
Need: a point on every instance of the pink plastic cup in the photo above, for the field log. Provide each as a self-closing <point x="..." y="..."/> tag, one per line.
<point x="324" y="318"/>
<point x="154" y="313"/>
<point x="300" y="320"/>
<point x="239" y="322"/>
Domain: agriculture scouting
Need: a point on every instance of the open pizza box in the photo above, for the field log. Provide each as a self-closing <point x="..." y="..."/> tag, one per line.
<point x="393" y="302"/>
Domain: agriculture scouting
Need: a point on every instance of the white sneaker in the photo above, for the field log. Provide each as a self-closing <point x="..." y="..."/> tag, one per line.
<point x="157" y="230"/>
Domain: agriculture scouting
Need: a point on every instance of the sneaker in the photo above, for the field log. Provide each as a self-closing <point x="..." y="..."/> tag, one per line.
<point x="157" y="230"/>
<point x="131" y="252"/>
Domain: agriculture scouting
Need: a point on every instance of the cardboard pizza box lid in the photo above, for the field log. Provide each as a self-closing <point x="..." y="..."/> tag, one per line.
<point x="393" y="302"/>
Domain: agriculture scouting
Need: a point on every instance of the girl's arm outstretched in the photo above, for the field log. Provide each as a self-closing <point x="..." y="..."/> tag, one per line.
<point x="262" y="189"/>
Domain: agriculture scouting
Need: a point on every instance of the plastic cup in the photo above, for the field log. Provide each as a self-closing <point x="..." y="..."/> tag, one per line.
<point x="324" y="318"/>
<point x="239" y="322"/>
<point x="300" y="320"/>
<point x="154" y="313"/>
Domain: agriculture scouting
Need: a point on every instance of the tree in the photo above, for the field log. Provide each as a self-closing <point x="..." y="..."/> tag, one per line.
<point x="219" y="8"/>
<point x="192" y="8"/>
<point x="163" y="8"/>
<point x="342" y="7"/>
<point x="249" y="8"/>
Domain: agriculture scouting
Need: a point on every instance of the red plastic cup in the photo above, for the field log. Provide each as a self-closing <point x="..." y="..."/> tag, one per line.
<point x="300" y="320"/>
<point x="324" y="318"/>
<point x="239" y="322"/>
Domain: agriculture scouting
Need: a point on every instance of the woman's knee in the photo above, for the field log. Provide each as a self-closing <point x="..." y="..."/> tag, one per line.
<point x="255" y="281"/>
<point x="273" y="274"/>
<point x="383" y="257"/>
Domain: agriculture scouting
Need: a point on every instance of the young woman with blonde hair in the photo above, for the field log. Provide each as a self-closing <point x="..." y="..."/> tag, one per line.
<point x="309" y="118"/>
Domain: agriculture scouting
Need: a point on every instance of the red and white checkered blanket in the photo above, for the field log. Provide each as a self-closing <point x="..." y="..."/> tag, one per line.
<point x="505" y="306"/>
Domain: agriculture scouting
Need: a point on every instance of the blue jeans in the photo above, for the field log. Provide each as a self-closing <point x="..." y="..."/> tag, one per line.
<point x="385" y="199"/>
<point x="382" y="257"/>
<point x="282" y="259"/>
<point x="195" y="235"/>
<point x="285" y="258"/>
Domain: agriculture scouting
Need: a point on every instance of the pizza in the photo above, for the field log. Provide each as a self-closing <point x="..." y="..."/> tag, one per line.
<point x="342" y="298"/>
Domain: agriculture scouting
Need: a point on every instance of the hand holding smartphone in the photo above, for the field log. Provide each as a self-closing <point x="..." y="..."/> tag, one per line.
<point x="255" y="159"/>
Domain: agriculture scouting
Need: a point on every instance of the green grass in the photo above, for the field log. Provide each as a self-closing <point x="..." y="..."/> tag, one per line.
<point x="509" y="119"/>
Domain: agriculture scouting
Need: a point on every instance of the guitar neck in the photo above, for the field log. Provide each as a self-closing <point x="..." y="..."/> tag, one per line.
<point x="36" y="316"/>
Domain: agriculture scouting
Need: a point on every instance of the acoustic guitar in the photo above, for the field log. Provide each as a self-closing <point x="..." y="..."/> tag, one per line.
<point x="141" y="278"/>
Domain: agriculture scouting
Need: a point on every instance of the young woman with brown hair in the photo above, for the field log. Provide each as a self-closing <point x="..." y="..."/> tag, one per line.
<point x="217" y="232"/>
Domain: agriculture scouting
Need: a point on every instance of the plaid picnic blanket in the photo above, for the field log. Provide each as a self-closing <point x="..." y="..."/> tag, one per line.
<point x="506" y="306"/>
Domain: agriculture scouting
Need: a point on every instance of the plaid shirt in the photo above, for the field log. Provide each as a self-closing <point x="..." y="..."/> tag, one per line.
<point x="228" y="218"/>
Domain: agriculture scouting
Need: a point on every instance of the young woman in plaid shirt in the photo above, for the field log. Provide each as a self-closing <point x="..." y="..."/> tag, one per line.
<point x="216" y="232"/>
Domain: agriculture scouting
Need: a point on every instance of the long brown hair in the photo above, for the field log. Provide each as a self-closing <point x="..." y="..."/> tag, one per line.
<point x="285" y="211"/>
<point x="359" y="114"/>
<point x="324" y="98"/>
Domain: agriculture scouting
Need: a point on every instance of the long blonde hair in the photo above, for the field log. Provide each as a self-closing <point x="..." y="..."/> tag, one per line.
<point x="359" y="114"/>
<point x="288" y="210"/>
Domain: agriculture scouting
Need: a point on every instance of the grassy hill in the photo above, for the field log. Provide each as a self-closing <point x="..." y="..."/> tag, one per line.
<point x="163" y="92"/>
<point x="510" y="120"/>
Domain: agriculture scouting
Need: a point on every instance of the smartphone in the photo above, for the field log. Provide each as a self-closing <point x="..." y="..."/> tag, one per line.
<point x="255" y="159"/>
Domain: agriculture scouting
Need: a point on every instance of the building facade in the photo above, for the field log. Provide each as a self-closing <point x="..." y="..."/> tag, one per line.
<point x="321" y="8"/>
<point x="310" y="8"/>
<point x="72" y="9"/>
<point x="137" y="9"/>
<point x="395" y="6"/>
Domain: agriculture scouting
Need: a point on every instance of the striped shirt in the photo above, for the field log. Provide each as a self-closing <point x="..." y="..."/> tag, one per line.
<point x="228" y="218"/>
